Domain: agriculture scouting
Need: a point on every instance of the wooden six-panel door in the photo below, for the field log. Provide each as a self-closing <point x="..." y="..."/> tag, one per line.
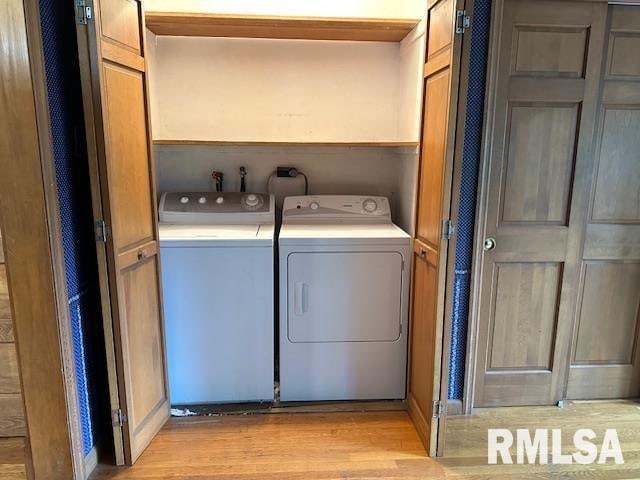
<point x="545" y="89"/>
<point x="441" y="73"/>
<point x="605" y="361"/>
<point x="115" y="97"/>
<point x="560" y="274"/>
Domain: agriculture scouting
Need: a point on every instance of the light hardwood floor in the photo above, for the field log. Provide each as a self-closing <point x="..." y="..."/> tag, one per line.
<point x="380" y="445"/>
<point x="466" y="440"/>
<point x="12" y="458"/>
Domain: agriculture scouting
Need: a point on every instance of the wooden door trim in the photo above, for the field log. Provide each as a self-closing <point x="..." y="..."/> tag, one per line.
<point x="416" y="414"/>
<point x="444" y="274"/>
<point x="154" y="191"/>
<point x="440" y="61"/>
<point x="426" y="252"/>
<point x="453" y="215"/>
<point x="125" y="57"/>
<point x="35" y="259"/>
<point x="55" y="235"/>
<point x="481" y="206"/>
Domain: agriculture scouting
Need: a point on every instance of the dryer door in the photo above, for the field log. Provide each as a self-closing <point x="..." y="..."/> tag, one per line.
<point x="344" y="296"/>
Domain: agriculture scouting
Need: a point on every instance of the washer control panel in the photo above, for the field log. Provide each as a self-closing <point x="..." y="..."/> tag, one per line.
<point x="337" y="208"/>
<point x="216" y="208"/>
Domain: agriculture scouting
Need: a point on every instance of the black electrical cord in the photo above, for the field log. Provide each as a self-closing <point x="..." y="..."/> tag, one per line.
<point x="275" y="174"/>
<point x="306" y="182"/>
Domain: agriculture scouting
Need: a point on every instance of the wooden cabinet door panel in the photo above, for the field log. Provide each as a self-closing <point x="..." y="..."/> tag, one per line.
<point x="423" y="339"/>
<point x="436" y="95"/>
<point x="121" y="23"/>
<point x="124" y="194"/>
<point x="128" y="156"/>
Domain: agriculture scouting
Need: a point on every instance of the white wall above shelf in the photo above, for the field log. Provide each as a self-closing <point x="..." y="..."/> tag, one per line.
<point x="347" y="113"/>
<point x="283" y="27"/>
<point x="254" y="143"/>
<point x="283" y="91"/>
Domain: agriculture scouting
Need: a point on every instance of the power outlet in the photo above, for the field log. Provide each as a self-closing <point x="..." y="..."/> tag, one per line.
<point x="287" y="172"/>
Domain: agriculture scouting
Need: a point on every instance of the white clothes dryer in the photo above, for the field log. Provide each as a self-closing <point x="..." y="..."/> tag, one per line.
<point x="344" y="299"/>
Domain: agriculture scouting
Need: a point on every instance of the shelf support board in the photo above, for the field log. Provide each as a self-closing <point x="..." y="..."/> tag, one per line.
<point x="256" y="26"/>
<point x="280" y="144"/>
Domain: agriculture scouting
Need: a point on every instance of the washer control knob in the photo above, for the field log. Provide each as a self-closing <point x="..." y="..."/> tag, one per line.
<point x="184" y="199"/>
<point x="314" y="205"/>
<point x="251" y="200"/>
<point x="370" y="205"/>
<point x="220" y="200"/>
<point x="202" y="200"/>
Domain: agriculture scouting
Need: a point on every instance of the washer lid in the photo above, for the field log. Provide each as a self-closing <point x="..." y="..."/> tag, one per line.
<point x="214" y="235"/>
<point x="340" y="234"/>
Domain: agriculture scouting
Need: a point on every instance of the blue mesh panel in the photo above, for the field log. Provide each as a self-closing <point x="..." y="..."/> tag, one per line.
<point x="69" y="150"/>
<point x="468" y="190"/>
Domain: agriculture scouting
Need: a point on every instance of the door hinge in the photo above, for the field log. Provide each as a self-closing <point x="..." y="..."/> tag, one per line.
<point x="102" y="231"/>
<point x="448" y="229"/>
<point x="118" y="418"/>
<point x="84" y="12"/>
<point x="438" y="409"/>
<point x="463" y="21"/>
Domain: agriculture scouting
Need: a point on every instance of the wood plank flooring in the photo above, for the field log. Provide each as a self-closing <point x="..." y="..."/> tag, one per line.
<point x="12" y="458"/>
<point x="371" y="445"/>
<point x="465" y="451"/>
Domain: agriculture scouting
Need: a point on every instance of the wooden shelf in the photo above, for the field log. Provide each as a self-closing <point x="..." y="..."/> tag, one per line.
<point x="255" y="26"/>
<point x="279" y="144"/>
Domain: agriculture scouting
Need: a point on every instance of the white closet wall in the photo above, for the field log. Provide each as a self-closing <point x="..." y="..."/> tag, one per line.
<point x="412" y="54"/>
<point x="331" y="170"/>
<point x="240" y="89"/>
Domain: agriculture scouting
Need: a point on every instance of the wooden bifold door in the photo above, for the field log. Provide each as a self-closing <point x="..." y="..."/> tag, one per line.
<point x="441" y="74"/>
<point x="112" y="59"/>
<point x="559" y="282"/>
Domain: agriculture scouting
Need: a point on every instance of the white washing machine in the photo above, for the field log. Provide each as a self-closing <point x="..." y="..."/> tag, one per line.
<point x="344" y="299"/>
<point x="217" y="273"/>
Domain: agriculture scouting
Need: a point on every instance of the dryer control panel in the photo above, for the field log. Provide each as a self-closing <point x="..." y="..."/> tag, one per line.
<point x="337" y="208"/>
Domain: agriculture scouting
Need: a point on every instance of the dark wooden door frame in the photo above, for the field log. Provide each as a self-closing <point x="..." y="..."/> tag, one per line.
<point x="453" y="165"/>
<point x="454" y="407"/>
<point x="29" y="212"/>
<point x="470" y="364"/>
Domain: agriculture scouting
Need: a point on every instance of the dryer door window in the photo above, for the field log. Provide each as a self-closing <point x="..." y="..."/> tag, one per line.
<point x="344" y="296"/>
